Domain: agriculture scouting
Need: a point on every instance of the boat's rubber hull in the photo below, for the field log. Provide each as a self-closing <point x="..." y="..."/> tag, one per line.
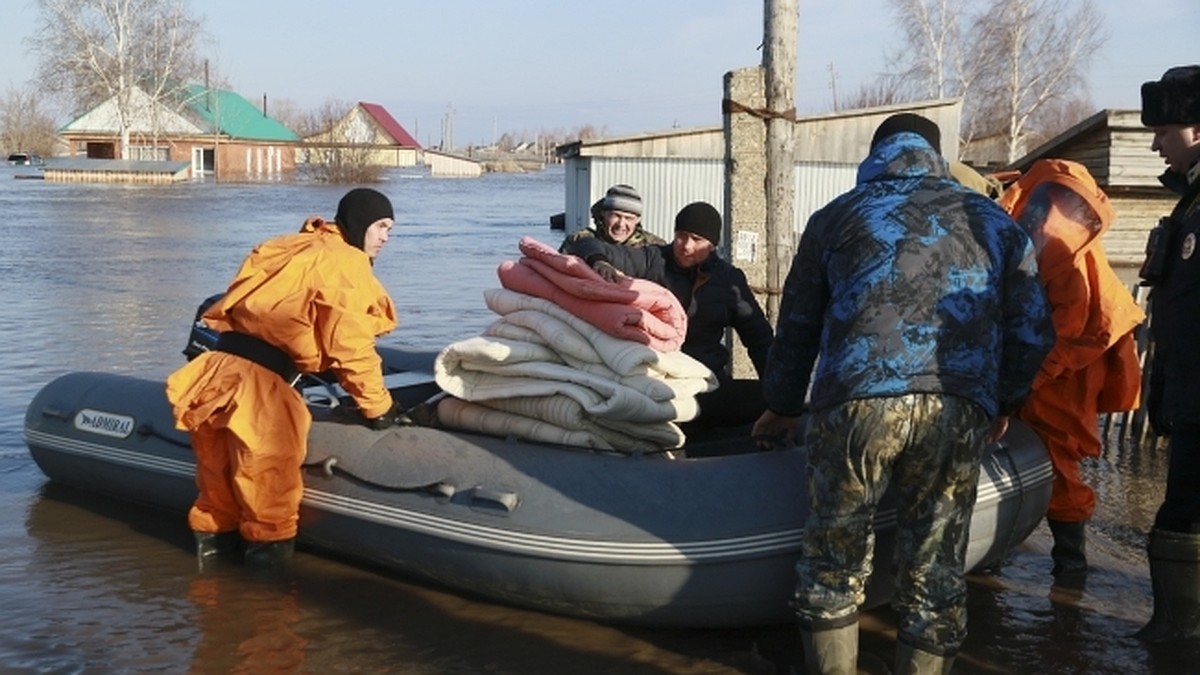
<point x="691" y="542"/>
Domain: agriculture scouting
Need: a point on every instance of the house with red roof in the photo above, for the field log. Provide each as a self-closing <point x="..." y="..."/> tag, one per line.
<point x="368" y="135"/>
<point x="369" y="131"/>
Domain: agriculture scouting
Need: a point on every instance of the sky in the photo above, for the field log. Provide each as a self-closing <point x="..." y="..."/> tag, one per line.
<point x="620" y="66"/>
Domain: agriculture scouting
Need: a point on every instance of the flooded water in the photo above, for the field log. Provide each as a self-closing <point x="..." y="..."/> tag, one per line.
<point x="105" y="277"/>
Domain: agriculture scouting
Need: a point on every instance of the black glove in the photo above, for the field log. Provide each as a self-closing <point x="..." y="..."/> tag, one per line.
<point x="394" y="417"/>
<point x="607" y="271"/>
<point x="1159" y="422"/>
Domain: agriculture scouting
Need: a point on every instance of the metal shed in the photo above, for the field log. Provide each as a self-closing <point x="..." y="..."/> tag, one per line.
<point x="672" y="169"/>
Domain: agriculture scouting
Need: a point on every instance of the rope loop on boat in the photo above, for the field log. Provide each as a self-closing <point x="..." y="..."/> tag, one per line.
<point x="327" y="466"/>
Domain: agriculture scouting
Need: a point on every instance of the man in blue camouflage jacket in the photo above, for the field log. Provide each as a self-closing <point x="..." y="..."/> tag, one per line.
<point x="921" y="299"/>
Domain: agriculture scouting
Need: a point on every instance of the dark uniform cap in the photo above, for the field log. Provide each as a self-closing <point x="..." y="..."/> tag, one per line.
<point x="1175" y="99"/>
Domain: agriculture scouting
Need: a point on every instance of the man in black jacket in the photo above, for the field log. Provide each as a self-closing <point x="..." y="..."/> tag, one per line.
<point x="716" y="297"/>
<point x="1171" y="107"/>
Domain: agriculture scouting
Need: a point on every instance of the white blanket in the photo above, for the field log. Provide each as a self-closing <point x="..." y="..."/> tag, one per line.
<point x="484" y="368"/>
<point x="541" y="373"/>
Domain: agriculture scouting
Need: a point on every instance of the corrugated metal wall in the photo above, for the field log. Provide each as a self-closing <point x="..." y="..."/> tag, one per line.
<point x="669" y="184"/>
<point x="817" y="184"/>
<point x="666" y="185"/>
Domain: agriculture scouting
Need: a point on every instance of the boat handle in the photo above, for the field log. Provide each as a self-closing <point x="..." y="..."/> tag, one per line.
<point x="327" y="466"/>
<point x="56" y="413"/>
<point x="507" y="500"/>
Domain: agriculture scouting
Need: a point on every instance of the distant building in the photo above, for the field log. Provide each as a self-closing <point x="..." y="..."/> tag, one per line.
<point x="367" y="129"/>
<point x="368" y="134"/>
<point x="217" y="132"/>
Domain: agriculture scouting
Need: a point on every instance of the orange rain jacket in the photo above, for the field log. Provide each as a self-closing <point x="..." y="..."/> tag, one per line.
<point x="315" y="297"/>
<point x="1093" y="366"/>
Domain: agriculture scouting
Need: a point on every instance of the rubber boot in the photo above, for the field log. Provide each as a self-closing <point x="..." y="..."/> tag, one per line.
<point x="1068" y="551"/>
<point x="1175" y="577"/>
<point x="210" y="546"/>
<point x="831" y="651"/>
<point x="269" y="558"/>
<point x="913" y="661"/>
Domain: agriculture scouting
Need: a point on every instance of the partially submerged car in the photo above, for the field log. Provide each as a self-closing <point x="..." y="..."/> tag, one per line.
<point x="25" y="159"/>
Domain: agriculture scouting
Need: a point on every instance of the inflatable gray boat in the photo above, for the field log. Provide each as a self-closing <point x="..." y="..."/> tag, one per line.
<point x="708" y="540"/>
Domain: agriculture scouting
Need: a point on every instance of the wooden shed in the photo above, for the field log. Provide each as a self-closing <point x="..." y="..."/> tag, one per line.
<point x="217" y="132"/>
<point x="1115" y="148"/>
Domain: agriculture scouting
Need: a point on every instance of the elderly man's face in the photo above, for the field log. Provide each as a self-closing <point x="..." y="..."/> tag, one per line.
<point x="620" y="225"/>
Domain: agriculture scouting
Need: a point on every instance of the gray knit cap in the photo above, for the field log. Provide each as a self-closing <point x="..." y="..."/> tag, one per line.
<point x="623" y="198"/>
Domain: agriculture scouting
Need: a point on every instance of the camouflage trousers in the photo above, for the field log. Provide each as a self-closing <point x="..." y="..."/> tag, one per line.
<point x="929" y="447"/>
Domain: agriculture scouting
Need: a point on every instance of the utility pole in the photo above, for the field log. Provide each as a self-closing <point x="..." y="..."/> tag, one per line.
<point x="833" y="86"/>
<point x="779" y="64"/>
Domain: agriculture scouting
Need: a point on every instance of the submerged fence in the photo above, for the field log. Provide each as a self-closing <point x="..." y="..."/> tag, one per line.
<point x="1132" y="428"/>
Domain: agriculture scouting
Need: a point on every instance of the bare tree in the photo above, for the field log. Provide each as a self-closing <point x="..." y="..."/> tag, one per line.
<point x="932" y="50"/>
<point x="25" y="124"/>
<point x="1041" y="51"/>
<point x="1057" y="116"/>
<point x="289" y="113"/>
<point x="1009" y="60"/>
<point x="884" y="90"/>
<point x="91" y="51"/>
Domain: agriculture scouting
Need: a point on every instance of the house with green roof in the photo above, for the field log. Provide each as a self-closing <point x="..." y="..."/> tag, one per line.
<point x="219" y="133"/>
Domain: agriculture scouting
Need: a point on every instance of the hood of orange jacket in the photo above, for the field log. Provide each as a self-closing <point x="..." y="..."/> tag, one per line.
<point x="1065" y="235"/>
<point x="1093" y="308"/>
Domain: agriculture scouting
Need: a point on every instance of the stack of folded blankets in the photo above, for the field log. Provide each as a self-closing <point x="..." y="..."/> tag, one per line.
<point x="574" y="360"/>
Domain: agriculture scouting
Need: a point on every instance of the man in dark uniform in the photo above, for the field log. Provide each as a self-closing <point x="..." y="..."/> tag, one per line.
<point x="1171" y="107"/>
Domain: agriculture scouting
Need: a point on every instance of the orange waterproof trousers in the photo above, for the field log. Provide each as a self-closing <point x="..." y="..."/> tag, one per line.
<point x="1063" y="413"/>
<point x="250" y="435"/>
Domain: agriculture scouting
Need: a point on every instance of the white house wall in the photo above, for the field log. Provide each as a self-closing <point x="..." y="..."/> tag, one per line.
<point x="450" y="166"/>
<point x="104" y="119"/>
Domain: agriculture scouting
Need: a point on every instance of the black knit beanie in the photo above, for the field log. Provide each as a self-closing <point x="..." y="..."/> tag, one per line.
<point x="1174" y="99"/>
<point x="702" y="219"/>
<point x="922" y="126"/>
<point x="357" y="210"/>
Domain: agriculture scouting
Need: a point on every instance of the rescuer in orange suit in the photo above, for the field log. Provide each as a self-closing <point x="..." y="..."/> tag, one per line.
<point x="301" y="303"/>
<point x="1093" y="366"/>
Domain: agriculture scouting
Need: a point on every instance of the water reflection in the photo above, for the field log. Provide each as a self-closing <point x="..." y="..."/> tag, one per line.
<point x="245" y="628"/>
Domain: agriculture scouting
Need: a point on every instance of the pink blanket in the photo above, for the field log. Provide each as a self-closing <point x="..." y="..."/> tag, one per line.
<point x="634" y="309"/>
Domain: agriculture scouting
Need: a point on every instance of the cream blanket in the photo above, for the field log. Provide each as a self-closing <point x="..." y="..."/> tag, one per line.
<point x="541" y="373"/>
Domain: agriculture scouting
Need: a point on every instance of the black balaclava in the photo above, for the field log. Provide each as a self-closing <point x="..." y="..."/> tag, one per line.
<point x="357" y="210"/>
